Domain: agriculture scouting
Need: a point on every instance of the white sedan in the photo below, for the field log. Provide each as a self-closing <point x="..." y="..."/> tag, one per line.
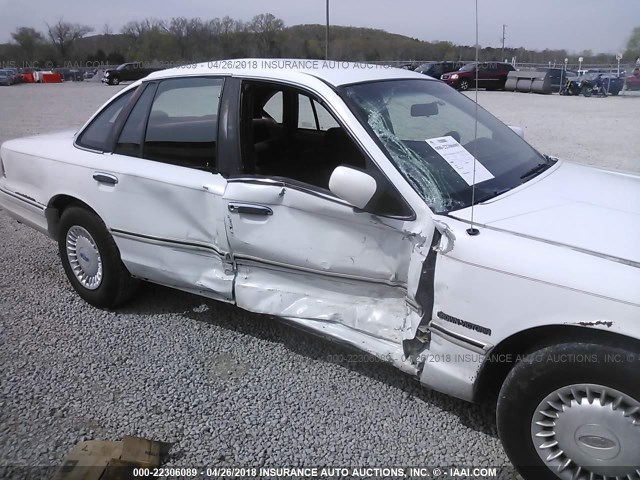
<point x="375" y="206"/>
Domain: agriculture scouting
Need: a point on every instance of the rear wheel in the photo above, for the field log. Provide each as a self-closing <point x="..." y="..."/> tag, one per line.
<point x="572" y="411"/>
<point x="91" y="259"/>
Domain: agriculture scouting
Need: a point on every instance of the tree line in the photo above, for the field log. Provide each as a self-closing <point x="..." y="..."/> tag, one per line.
<point x="182" y="39"/>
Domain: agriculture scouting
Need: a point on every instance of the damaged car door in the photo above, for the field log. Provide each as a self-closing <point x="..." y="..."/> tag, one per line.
<point x="159" y="191"/>
<point x="301" y="251"/>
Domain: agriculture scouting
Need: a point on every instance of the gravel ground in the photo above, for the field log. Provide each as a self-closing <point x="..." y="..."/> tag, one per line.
<point x="229" y="387"/>
<point x="596" y="131"/>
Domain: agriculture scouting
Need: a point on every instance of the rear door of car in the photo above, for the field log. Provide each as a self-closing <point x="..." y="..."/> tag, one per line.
<point x="158" y="189"/>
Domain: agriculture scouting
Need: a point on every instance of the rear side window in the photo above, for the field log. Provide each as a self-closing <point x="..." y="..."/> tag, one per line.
<point x="183" y="123"/>
<point x="132" y="135"/>
<point x="97" y="135"/>
<point x="312" y="115"/>
<point x="274" y="107"/>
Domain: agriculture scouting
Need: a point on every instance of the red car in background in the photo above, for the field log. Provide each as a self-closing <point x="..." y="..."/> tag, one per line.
<point x="491" y="75"/>
<point x="632" y="82"/>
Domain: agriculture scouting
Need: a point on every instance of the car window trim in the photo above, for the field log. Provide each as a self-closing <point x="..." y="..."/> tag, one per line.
<point x="286" y="182"/>
<point x="315" y="113"/>
<point x="126" y="113"/>
<point x="228" y="145"/>
<point x="95" y="118"/>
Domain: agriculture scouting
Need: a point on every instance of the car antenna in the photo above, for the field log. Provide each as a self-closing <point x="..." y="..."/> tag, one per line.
<point x="472" y="230"/>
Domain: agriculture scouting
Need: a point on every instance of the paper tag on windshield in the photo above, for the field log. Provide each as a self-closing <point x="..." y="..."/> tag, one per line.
<point x="460" y="159"/>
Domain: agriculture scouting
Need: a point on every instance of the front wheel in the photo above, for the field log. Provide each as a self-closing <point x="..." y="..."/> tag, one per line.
<point x="572" y="411"/>
<point x="91" y="259"/>
<point x="464" y="84"/>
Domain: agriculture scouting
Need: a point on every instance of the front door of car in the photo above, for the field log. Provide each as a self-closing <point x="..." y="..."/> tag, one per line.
<point x="158" y="191"/>
<point x="301" y="252"/>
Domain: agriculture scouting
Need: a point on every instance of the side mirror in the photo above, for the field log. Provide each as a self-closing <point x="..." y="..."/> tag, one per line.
<point x="353" y="186"/>
<point x="517" y="130"/>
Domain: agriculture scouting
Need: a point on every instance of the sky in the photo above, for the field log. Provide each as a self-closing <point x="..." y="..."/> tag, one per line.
<point x="576" y="25"/>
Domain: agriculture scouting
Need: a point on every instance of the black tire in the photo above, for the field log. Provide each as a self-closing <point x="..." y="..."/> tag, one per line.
<point x="464" y="85"/>
<point x="116" y="284"/>
<point x="545" y="371"/>
<point x="116" y="81"/>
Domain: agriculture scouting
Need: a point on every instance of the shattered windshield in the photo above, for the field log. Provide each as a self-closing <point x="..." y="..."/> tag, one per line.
<point x="428" y="130"/>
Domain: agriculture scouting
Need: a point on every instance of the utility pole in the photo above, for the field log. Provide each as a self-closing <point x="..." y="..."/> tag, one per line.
<point x="504" y="29"/>
<point x="326" y="37"/>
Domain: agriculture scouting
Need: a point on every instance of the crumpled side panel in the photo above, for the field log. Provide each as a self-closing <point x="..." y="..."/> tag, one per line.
<point x="376" y="310"/>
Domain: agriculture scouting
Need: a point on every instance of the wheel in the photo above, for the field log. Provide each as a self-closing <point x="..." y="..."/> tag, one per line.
<point x="464" y="84"/>
<point x="91" y="259"/>
<point x="587" y="92"/>
<point x="116" y="81"/>
<point x="572" y="411"/>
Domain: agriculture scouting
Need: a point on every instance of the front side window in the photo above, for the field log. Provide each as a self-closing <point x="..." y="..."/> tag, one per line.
<point x="182" y="128"/>
<point x="429" y="132"/>
<point x="97" y="136"/>
<point x="307" y="147"/>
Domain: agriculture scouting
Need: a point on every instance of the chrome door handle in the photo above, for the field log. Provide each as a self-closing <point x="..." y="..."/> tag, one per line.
<point x="107" y="178"/>
<point x="250" y="209"/>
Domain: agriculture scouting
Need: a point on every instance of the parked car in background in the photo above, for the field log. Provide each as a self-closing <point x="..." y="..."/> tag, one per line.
<point x="632" y="82"/>
<point x="491" y="75"/>
<point x="437" y="69"/>
<point x="558" y="76"/>
<point x="5" y="78"/>
<point x="603" y="83"/>
<point x="15" y="76"/>
<point x="377" y="207"/>
<point x="593" y="84"/>
<point x="407" y="66"/>
<point x="127" y="72"/>
<point x="69" y="74"/>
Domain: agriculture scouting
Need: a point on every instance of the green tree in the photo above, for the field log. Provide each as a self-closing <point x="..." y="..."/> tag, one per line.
<point x="29" y="40"/>
<point x="64" y="34"/>
<point x="633" y="45"/>
<point x="266" y="29"/>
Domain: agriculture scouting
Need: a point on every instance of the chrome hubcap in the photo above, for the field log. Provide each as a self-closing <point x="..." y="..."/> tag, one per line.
<point x="588" y="431"/>
<point x="84" y="257"/>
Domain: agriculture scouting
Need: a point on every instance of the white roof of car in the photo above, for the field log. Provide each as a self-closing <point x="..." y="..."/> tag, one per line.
<point x="333" y="72"/>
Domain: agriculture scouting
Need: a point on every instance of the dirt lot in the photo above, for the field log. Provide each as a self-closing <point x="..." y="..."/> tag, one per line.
<point x="232" y="388"/>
